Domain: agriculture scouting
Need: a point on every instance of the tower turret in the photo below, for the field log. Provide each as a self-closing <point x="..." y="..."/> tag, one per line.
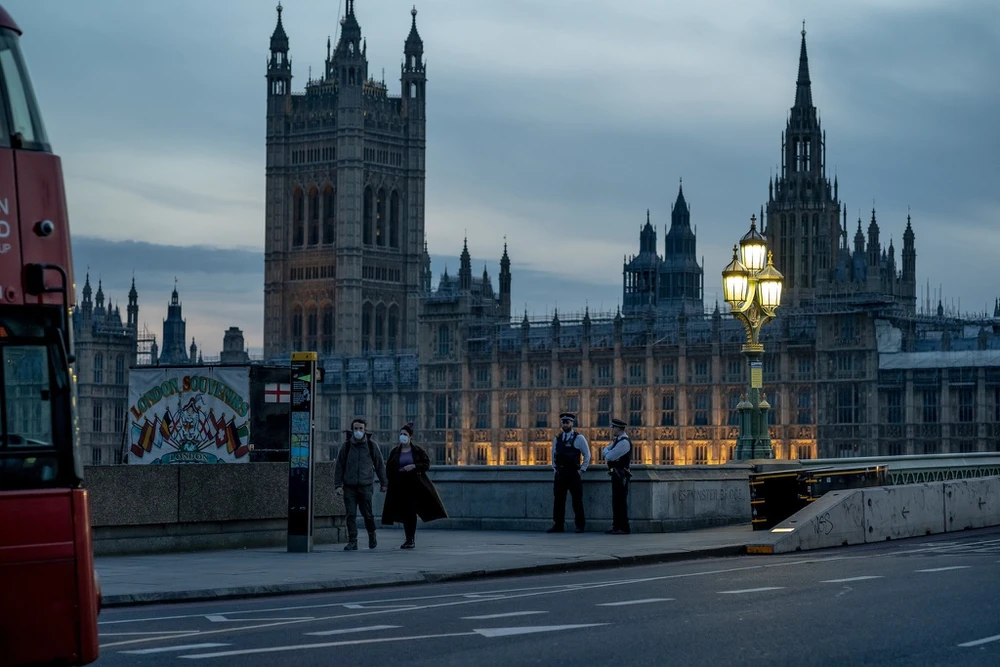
<point x="133" y="307"/>
<point x="803" y="204"/>
<point x="465" y="268"/>
<point x="505" y="283"/>
<point x="279" y="68"/>
<point x="414" y="71"/>
<point x="909" y="254"/>
<point x="87" y="305"/>
<point x="874" y="249"/>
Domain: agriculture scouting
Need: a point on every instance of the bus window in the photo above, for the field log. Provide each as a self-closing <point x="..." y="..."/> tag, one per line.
<point x="25" y="120"/>
<point x="27" y="421"/>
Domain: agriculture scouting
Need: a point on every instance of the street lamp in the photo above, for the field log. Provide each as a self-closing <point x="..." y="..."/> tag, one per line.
<point x="752" y="287"/>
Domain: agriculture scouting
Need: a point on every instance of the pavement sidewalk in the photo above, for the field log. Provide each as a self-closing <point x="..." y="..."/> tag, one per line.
<point x="441" y="555"/>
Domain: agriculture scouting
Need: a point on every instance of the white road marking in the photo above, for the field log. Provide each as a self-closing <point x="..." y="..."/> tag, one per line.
<point x="301" y="647"/>
<point x="485" y="632"/>
<point x="844" y="581"/>
<point x="510" y="632"/>
<point x="752" y="590"/>
<point x="507" y="615"/>
<point x="167" y="633"/>
<point x="945" y="569"/>
<point x="393" y="607"/>
<point x="346" y="631"/>
<point x="624" y="603"/>
<point x="221" y="618"/>
<point x="171" y="649"/>
<point x="984" y="640"/>
<point x="530" y="592"/>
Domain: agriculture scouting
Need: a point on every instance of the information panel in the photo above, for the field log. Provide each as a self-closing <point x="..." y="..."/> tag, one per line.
<point x="300" y="447"/>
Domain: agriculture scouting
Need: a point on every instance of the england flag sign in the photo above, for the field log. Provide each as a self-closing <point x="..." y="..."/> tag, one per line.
<point x="275" y="392"/>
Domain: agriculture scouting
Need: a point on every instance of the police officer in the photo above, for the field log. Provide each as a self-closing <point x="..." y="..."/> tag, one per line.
<point x="569" y="448"/>
<point x="618" y="455"/>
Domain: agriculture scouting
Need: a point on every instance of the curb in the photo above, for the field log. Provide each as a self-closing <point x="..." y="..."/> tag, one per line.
<point x="334" y="585"/>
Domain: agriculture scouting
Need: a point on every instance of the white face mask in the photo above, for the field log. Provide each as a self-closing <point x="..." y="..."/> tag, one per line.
<point x="403" y="438"/>
<point x="358" y="435"/>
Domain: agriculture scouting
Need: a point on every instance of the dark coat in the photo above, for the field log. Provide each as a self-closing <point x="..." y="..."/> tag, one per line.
<point x="411" y="489"/>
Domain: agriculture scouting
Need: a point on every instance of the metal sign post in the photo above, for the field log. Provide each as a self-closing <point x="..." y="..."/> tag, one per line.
<point x="300" y="453"/>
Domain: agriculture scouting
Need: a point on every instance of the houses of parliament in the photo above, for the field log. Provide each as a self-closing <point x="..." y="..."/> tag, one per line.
<point x="853" y="367"/>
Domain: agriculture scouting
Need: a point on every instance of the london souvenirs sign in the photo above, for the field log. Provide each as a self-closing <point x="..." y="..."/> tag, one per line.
<point x="189" y="415"/>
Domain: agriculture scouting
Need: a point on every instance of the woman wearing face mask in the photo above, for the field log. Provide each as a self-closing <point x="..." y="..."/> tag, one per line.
<point x="410" y="493"/>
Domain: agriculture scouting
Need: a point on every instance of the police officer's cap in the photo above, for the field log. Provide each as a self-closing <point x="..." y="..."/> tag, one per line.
<point x="619" y="423"/>
<point x="567" y="416"/>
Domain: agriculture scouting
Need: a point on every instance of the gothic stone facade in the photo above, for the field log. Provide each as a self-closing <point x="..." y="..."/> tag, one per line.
<point x="105" y="349"/>
<point x="851" y="368"/>
<point x="344" y="260"/>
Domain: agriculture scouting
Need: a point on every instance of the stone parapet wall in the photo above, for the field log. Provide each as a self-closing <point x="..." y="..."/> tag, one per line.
<point x="179" y="508"/>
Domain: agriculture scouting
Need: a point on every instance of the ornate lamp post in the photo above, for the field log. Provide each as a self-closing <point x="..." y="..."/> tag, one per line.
<point x="752" y="287"/>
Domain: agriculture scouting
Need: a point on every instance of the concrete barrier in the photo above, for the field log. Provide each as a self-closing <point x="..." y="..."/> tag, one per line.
<point x="836" y="519"/>
<point x="885" y="513"/>
<point x="910" y="510"/>
<point x="138" y="509"/>
<point x="972" y="503"/>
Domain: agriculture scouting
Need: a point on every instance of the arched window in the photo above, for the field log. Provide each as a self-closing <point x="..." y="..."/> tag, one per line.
<point x="298" y="218"/>
<point x="98" y="369"/>
<point x="328" y="329"/>
<point x="394" y="220"/>
<point x="366" y="220"/>
<point x="312" y="328"/>
<point x="297" y="327"/>
<point x="393" y="327"/>
<point x="120" y="369"/>
<point x="413" y="90"/>
<point x="380" y="328"/>
<point x="380" y="235"/>
<point x="350" y="76"/>
<point x="444" y="340"/>
<point x="329" y="212"/>
<point x="367" y="312"/>
<point x="313" y="217"/>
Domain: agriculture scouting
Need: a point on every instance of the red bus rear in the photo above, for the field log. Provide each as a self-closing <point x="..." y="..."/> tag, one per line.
<point x="49" y="598"/>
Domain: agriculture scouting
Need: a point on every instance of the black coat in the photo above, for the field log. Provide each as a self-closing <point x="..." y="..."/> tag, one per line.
<point x="411" y="488"/>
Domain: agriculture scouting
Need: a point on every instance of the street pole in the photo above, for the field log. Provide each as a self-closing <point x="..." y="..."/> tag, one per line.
<point x="753" y="290"/>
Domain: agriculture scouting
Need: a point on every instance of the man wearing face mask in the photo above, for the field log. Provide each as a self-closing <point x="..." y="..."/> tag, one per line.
<point x="570" y="458"/>
<point x="358" y="462"/>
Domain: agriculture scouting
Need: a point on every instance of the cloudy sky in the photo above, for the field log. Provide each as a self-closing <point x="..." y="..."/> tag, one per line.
<point x="555" y="123"/>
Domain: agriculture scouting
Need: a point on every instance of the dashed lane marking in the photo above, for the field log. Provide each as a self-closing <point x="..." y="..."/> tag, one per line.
<point x="624" y="603"/>
<point x="752" y="590"/>
<point x="945" y="569"/>
<point x="346" y="631"/>
<point x="483" y="632"/>
<point x="978" y="642"/>
<point x="844" y="581"/>
<point x="172" y="649"/>
<point x="509" y="614"/>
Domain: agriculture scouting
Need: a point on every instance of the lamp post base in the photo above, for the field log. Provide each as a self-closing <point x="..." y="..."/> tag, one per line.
<point x="754" y="441"/>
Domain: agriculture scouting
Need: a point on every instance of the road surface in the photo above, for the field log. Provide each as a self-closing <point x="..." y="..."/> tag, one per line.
<point x="930" y="601"/>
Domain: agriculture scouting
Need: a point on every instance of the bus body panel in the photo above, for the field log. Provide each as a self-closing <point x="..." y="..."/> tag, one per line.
<point x="37" y="563"/>
<point x="41" y="198"/>
<point x="89" y="595"/>
<point x="10" y="232"/>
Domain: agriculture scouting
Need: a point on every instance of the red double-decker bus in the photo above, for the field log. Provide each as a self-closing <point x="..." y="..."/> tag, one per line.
<point x="49" y="597"/>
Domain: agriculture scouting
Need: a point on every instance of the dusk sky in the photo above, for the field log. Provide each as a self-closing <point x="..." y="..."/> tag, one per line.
<point x="552" y="123"/>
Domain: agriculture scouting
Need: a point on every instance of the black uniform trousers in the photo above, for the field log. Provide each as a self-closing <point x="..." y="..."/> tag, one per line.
<point x="567" y="479"/>
<point x="619" y="502"/>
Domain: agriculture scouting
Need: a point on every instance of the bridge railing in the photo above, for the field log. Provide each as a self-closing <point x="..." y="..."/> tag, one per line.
<point x="913" y="469"/>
